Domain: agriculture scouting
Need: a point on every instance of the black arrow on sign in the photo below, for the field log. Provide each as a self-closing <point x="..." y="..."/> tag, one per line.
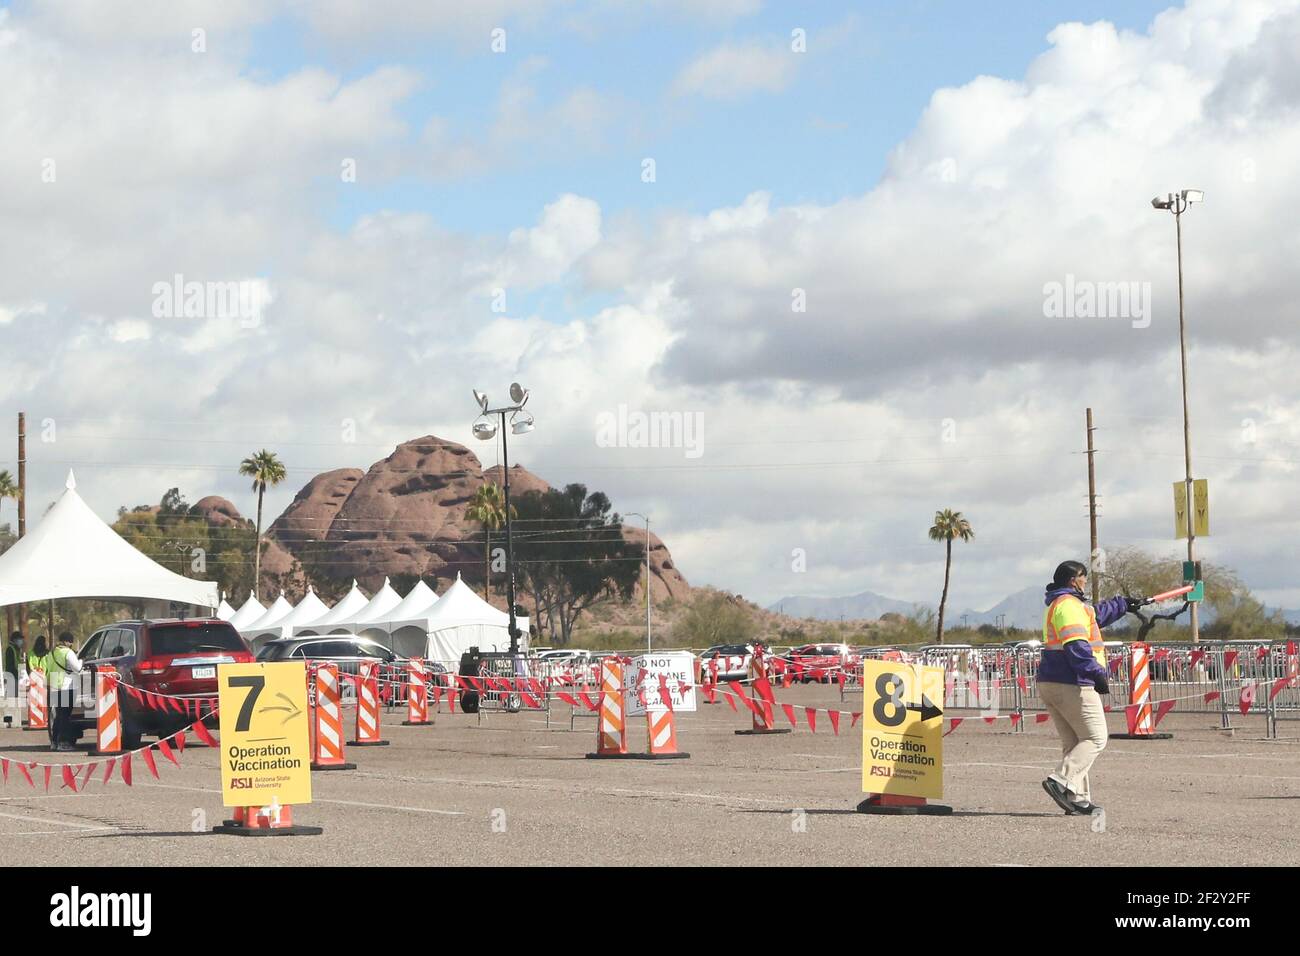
<point x="926" y="709"/>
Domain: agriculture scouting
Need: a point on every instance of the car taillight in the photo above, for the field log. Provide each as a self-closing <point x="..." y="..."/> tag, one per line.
<point x="152" y="667"/>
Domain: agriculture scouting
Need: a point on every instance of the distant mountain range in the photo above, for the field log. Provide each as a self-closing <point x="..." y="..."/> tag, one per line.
<point x="1023" y="609"/>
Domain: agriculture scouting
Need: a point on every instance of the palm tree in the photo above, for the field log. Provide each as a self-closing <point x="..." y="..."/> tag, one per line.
<point x="948" y="525"/>
<point x="8" y="488"/>
<point x="488" y="508"/>
<point x="265" y="469"/>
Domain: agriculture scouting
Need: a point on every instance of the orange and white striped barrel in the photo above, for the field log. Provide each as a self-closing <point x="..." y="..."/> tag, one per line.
<point x="367" y="733"/>
<point x="327" y="723"/>
<point x="764" y="713"/>
<point x="108" y="715"/>
<point x="38" y="703"/>
<point x="611" y="728"/>
<point x="417" y="695"/>
<point x="1140" y="689"/>
<point x="661" y="728"/>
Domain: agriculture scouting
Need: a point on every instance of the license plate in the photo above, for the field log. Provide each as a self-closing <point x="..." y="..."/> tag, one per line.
<point x="199" y="673"/>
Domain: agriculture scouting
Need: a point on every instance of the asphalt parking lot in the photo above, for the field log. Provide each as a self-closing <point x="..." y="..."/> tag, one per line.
<point x="512" y="792"/>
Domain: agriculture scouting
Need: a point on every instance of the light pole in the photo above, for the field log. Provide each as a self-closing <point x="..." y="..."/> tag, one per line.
<point x="485" y="429"/>
<point x="1177" y="203"/>
<point x="637" y="514"/>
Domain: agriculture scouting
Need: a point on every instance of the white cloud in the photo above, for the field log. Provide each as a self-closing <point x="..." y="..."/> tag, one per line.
<point x="737" y="69"/>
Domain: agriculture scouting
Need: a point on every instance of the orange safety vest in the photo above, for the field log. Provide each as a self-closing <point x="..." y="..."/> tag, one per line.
<point x="1069" y="619"/>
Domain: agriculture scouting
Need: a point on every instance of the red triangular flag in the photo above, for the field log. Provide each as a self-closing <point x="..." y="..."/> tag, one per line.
<point x="811" y="714"/>
<point x="989" y="720"/>
<point x="1197" y="655"/>
<point x="167" y="752"/>
<point x="1024" y="684"/>
<point x="665" y="695"/>
<point x="1229" y="658"/>
<point x="1212" y="695"/>
<point x="529" y="700"/>
<point x="586" y="701"/>
<point x="834" y="715"/>
<point x="126" y="769"/>
<point x="451" y="699"/>
<point x="1162" y="707"/>
<point x="1246" y="699"/>
<point x="22" y="768"/>
<point x="1278" y="684"/>
<point x="740" y="692"/>
<point x="1130" y="718"/>
<point x="566" y="698"/>
<point x="47" y="769"/>
<point x="4" y="768"/>
<point x="731" y="699"/>
<point x="1261" y="653"/>
<point x="789" y="714"/>
<point x="108" y="770"/>
<point x="203" y="733"/>
<point x="90" y="769"/>
<point x="69" y="778"/>
<point x="1015" y="719"/>
<point x="682" y="688"/>
<point x="763" y="690"/>
<point x="147" y="754"/>
<point x="856" y="717"/>
<point x="180" y="740"/>
<point x="1042" y="718"/>
<point x="954" y="724"/>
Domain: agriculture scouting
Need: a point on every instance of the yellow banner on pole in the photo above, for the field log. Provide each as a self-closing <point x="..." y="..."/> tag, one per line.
<point x="265" y="743"/>
<point x="902" y="729"/>
<point x="1201" y="507"/>
<point x="1180" y="509"/>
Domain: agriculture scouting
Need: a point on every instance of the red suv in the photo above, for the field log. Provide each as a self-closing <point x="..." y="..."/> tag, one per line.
<point x="818" y="662"/>
<point x="168" y="656"/>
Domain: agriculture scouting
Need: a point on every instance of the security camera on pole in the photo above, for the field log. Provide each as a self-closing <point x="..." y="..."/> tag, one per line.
<point x="485" y="429"/>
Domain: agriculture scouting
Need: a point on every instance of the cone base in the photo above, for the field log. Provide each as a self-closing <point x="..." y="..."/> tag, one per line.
<point x="333" y="766"/>
<point x="417" y="723"/>
<point x="923" y="810"/>
<point x="1141" y="736"/>
<point x="638" y="756"/>
<point x="368" y="743"/>
<point x="764" y="730"/>
<point x="231" y="828"/>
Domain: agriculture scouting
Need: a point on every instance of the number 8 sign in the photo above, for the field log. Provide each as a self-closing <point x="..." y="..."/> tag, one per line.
<point x="902" y="729"/>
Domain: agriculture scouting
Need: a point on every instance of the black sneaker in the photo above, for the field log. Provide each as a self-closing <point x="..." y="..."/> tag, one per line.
<point x="1084" y="808"/>
<point x="1060" y="795"/>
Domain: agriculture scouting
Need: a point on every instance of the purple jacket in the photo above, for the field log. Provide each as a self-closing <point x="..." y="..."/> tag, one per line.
<point x="1074" y="663"/>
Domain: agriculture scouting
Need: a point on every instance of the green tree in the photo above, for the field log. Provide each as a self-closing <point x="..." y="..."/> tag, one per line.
<point x="716" y="618"/>
<point x="948" y="525"/>
<point x="488" y="508"/>
<point x="265" y="469"/>
<point x="8" y="487"/>
<point x="571" y="555"/>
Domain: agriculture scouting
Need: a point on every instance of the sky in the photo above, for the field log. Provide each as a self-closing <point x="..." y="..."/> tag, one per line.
<point x="823" y="249"/>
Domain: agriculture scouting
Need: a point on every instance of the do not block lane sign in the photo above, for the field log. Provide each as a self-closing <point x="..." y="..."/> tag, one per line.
<point x="902" y="729"/>
<point x="265" y="749"/>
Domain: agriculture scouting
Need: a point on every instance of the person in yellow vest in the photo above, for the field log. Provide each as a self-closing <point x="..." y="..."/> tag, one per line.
<point x="60" y="664"/>
<point x="1072" y="677"/>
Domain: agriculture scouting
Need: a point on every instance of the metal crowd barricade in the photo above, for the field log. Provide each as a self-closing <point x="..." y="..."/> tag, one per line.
<point x="979" y="678"/>
<point x="509" y="685"/>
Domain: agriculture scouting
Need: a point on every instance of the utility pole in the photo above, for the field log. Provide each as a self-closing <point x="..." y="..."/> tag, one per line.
<point x="1092" y="517"/>
<point x="22" y="506"/>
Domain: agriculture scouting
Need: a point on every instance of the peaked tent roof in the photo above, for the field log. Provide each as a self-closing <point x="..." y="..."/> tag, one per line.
<point x="385" y="600"/>
<point x="458" y="605"/>
<point x="351" y="603"/>
<point x="280" y="608"/>
<point x="418" y="600"/>
<point x="249" y="612"/>
<point x="225" y="611"/>
<point x="73" y="553"/>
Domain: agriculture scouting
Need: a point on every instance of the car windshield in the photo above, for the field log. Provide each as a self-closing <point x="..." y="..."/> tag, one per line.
<point x="272" y="652"/>
<point x="189" y="638"/>
<point x="732" y="650"/>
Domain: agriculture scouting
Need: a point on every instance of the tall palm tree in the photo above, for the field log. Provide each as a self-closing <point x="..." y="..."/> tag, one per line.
<point x="488" y="508"/>
<point x="8" y="487"/>
<point x="265" y="469"/>
<point x="948" y="525"/>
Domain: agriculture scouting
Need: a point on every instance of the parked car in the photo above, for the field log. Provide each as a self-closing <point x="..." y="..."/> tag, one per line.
<point x="733" y="660"/>
<point x="169" y="656"/>
<point x="819" y="662"/>
<point x="348" y="653"/>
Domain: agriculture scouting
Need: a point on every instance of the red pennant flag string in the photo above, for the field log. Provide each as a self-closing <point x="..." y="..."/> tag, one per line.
<point x="1024" y="684"/>
<point x="1246" y="699"/>
<point x="954" y="724"/>
<point x="1015" y="719"/>
<point x="566" y="698"/>
<point x="1261" y="653"/>
<point x="48" y="769"/>
<point x="203" y="733"/>
<point x="529" y="700"/>
<point x="451" y="699"/>
<point x="147" y="755"/>
<point x="180" y="740"/>
<point x="167" y="752"/>
<point x="1212" y="695"/>
<point x="1278" y="684"/>
<point x="811" y="714"/>
<point x="665" y="695"/>
<point x="856" y="717"/>
<point x="90" y="769"/>
<point x="69" y="778"/>
<point x="1130" y="718"/>
<point x="1162" y="708"/>
<point x="731" y="699"/>
<point x="1042" y="718"/>
<point x="22" y="768"/>
<point x="682" y="688"/>
<point x="126" y="770"/>
<point x="1197" y="655"/>
<point x="4" y="768"/>
<point x="834" y="715"/>
<point x="1229" y="658"/>
<point x="586" y="701"/>
<point x="789" y="714"/>
<point x="989" y="720"/>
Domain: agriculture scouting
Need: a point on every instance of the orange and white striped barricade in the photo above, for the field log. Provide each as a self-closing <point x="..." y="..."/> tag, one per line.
<point x="274" y="820"/>
<point x="367" y="730"/>
<point x="327" y="721"/>
<point x="764" y="710"/>
<point x="38" y="702"/>
<point x="1141" y="726"/>
<point x="108" y="714"/>
<point x="611" y="722"/>
<point x="417" y="695"/>
<point x="660" y="690"/>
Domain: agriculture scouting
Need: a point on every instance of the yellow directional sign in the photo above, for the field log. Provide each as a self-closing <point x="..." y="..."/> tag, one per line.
<point x="265" y="747"/>
<point x="902" y="729"/>
<point x="1201" y="507"/>
<point x="1180" y="509"/>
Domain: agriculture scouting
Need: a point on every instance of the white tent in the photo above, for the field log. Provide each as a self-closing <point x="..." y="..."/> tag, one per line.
<point x="224" y="610"/>
<point x="410" y="643"/>
<point x="73" y="553"/>
<point x="280" y="609"/>
<point x="458" y="621"/>
<point x="351" y="603"/>
<point x="249" y="612"/>
<point x="385" y="600"/>
<point x="310" y="608"/>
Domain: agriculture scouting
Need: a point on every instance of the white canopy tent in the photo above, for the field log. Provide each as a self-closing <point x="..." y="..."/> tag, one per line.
<point x="310" y="608"/>
<point x="248" y="612"/>
<point x="351" y="603"/>
<point x="72" y="553"/>
<point x="224" y="610"/>
<point x="459" y="620"/>
<point x="280" y="609"/>
<point x="418" y="600"/>
<point x="385" y="600"/>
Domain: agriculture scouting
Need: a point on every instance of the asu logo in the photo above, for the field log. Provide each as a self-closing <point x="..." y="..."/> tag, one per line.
<point x="882" y="771"/>
<point x="241" y="783"/>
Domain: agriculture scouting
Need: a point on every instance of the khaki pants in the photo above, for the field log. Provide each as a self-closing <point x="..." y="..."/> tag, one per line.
<point x="1081" y="724"/>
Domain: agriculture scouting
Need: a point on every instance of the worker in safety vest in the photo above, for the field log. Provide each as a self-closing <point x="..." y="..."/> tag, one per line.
<point x="60" y="664"/>
<point x="1072" y="677"/>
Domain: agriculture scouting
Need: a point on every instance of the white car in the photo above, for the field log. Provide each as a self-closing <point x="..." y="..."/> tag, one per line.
<point x="732" y="659"/>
